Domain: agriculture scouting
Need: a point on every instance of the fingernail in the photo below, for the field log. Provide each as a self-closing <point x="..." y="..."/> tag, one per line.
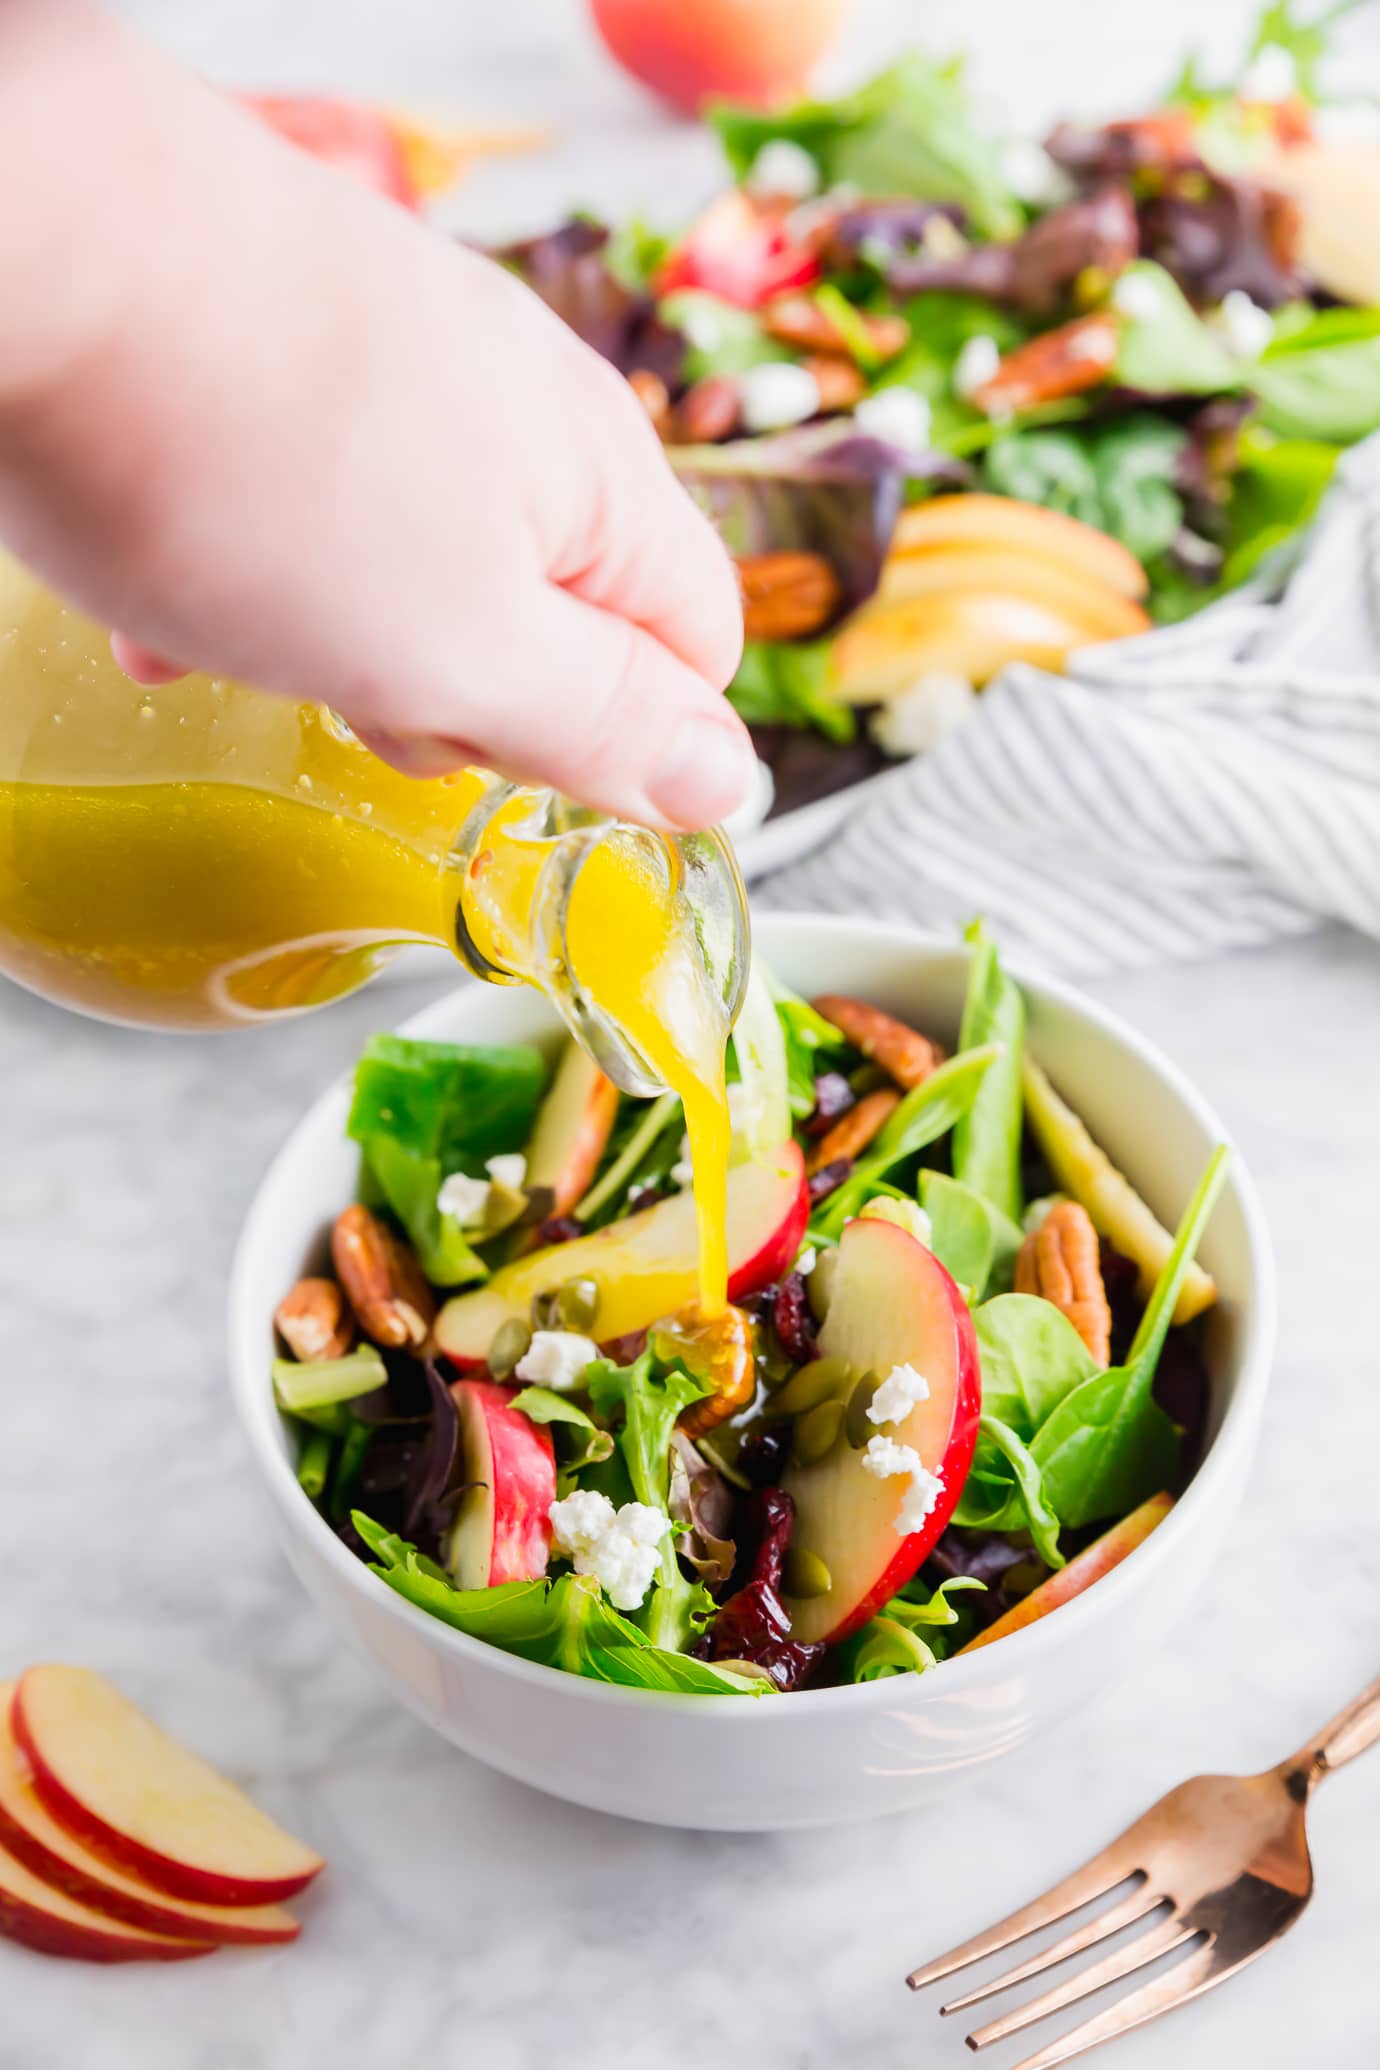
<point x="708" y="770"/>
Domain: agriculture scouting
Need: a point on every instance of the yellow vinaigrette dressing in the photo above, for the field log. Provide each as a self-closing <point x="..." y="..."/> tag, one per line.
<point x="205" y="855"/>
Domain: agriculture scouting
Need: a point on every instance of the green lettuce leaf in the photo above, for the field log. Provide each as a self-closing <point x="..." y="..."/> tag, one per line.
<point x="564" y="1623"/>
<point x="1108" y="1445"/>
<point x="927" y="1112"/>
<point x="409" y="1185"/>
<point x="720" y="337"/>
<point x="890" y="1643"/>
<point x="1119" y="477"/>
<point x="971" y="1237"/>
<point x="652" y="1394"/>
<point x="1168" y="350"/>
<point x="456" y="1102"/>
<point x="788" y="684"/>
<point x="1276" y="491"/>
<point x="584" y="1442"/>
<point x="1321" y="379"/>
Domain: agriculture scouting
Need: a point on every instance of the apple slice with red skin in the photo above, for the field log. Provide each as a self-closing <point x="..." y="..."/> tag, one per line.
<point x="892" y="1304"/>
<point x="120" y="1785"/>
<point x="1089" y="1566"/>
<point x="33" y="1836"/>
<point x="502" y="1529"/>
<point x="356" y="140"/>
<point x="645" y="1266"/>
<point x="573" y="1126"/>
<point x="48" y="1920"/>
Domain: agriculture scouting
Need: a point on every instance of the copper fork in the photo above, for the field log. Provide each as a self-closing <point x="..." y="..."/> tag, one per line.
<point x="1220" y="1866"/>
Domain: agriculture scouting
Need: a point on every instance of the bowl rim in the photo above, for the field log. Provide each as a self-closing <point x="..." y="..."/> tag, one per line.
<point x="962" y="1674"/>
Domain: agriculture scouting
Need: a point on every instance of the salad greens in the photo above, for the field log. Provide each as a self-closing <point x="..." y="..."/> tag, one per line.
<point x="639" y="1497"/>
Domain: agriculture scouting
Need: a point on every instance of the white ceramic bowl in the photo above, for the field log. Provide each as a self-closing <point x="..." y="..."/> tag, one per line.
<point x="820" y="1755"/>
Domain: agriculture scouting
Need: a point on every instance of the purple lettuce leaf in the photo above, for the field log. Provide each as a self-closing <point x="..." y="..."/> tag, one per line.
<point x="1036" y="272"/>
<point x="567" y="268"/>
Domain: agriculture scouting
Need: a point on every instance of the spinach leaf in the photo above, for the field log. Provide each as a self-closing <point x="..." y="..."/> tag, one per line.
<point x="456" y="1102"/>
<point x="652" y="1395"/>
<point x="890" y="1644"/>
<point x="1120" y="477"/>
<point x="1277" y="488"/>
<point x="941" y="323"/>
<point x="1321" y="379"/>
<point x="1165" y="346"/>
<point x="971" y="1237"/>
<point x="409" y="1185"/>
<point x="1005" y="1490"/>
<point x="987" y="1138"/>
<point x="788" y="684"/>
<point x="1032" y="1358"/>
<point x="927" y="1112"/>
<point x="912" y="130"/>
<point x="1108" y="1445"/>
<point x="564" y="1623"/>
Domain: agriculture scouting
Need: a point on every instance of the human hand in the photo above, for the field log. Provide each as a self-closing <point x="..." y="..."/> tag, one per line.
<point x="300" y="439"/>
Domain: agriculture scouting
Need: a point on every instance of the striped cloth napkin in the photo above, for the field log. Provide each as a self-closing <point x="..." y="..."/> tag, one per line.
<point x="1209" y="787"/>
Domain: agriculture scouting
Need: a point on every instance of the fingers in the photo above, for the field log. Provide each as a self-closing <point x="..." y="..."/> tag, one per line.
<point x="625" y="724"/>
<point x="141" y="664"/>
<point x="643" y="549"/>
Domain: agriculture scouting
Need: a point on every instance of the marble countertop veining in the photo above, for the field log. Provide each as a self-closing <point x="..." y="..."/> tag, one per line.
<point x="464" y="1920"/>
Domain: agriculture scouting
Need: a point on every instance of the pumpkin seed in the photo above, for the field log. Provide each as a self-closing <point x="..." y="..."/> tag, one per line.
<point x="859" y="1402"/>
<point x="820" y="1285"/>
<point x="816" y="1432"/>
<point x="542" y="1309"/>
<point x="812" y="1384"/>
<point x="805" y="1574"/>
<point x="512" y="1341"/>
<point x="577" y="1302"/>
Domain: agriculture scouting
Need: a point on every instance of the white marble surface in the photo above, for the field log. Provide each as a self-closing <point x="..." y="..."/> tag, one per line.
<point x="464" y="1920"/>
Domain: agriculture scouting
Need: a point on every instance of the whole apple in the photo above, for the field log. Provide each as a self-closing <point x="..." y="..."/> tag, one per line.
<point x="690" y="51"/>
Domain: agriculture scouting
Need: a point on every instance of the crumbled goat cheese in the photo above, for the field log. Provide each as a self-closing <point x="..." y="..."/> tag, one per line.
<point x="776" y="395"/>
<point x="784" y="169"/>
<point x="1247" y="327"/>
<point x="509" y="1169"/>
<point x="556" y="1358"/>
<point x="885" y="1460"/>
<point x="917" y="720"/>
<point x="807" y="1261"/>
<point x="1138" y="296"/>
<point x="898" y="1394"/>
<point x="620" y="1548"/>
<point x="464" y="1198"/>
<point x="978" y="360"/>
<point x="1272" y="75"/>
<point x="897" y="416"/>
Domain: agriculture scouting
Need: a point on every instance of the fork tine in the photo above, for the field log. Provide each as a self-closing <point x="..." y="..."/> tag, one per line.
<point x="1122" y="1962"/>
<point x="1093" y="1880"/>
<point x="1137" y="1905"/>
<point x="1188" y="1979"/>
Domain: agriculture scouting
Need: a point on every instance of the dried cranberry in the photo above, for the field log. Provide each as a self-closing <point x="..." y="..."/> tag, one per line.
<point x="794" y="1320"/>
<point x="559" y="1229"/>
<point x="753" y="1624"/>
<point x="763" y="1456"/>
<point x="1182" y="1388"/>
<point x="833" y="1096"/>
<point x="625" y="1351"/>
<point x="829" y="1178"/>
<point x="645" y="1197"/>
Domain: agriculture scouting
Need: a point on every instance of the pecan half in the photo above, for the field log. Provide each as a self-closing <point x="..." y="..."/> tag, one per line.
<point x="902" y="1052"/>
<point x="787" y="596"/>
<point x="383" y="1281"/>
<point x="1077" y="356"/>
<point x="654" y="396"/>
<point x="850" y="1135"/>
<point x="721" y="1354"/>
<point x="314" y="1322"/>
<point x="708" y="411"/>
<point x="839" y="382"/>
<point x="798" y="320"/>
<point x="1059" y="1262"/>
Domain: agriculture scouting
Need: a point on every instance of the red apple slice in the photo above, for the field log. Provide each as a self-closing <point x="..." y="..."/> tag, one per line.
<point x="32" y="1912"/>
<point x="106" y="1773"/>
<point x="573" y="1127"/>
<point x="1091" y="1564"/>
<point x="35" y="1838"/>
<point x="644" y="1266"/>
<point x="502" y="1529"/>
<point x="892" y="1304"/>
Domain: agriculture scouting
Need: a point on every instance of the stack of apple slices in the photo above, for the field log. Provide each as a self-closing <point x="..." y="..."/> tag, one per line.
<point x="117" y="1844"/>
<point x="974" y="582"/>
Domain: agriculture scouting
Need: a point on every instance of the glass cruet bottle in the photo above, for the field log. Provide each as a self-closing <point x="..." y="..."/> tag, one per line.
<point x="204" y="855"/>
